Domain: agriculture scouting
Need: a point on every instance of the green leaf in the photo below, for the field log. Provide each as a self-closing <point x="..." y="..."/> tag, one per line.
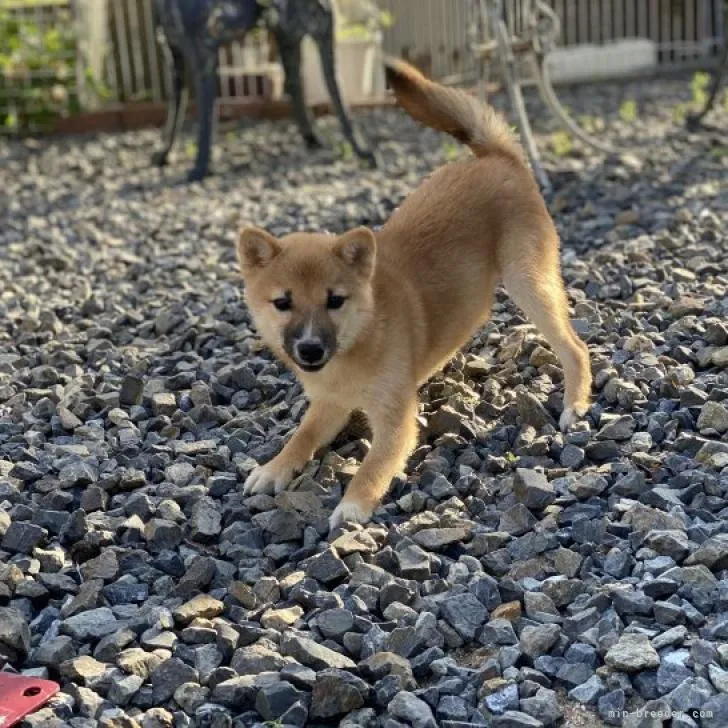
<point x="628" y="111"/>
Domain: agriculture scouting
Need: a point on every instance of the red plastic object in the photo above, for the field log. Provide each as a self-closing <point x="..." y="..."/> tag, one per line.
<point x="20" y="696"/>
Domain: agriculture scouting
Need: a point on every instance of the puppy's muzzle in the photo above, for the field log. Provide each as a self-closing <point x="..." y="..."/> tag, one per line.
<point x="310" y="354"/>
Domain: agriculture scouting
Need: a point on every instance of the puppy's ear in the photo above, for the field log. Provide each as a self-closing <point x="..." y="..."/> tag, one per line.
<point x="358" y="248"/>
<point x="256" y="249"/>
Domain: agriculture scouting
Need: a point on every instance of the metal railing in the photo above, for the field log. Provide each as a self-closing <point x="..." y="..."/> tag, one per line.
<point x="433" y="33"/>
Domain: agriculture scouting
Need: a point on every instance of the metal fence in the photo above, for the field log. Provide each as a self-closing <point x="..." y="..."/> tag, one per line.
<point x="433" y="33"/>
<point x="136" y="69"/>
<point x="119" y="44"/>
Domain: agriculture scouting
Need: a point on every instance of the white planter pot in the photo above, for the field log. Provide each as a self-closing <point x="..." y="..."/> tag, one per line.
<point x="359" y="68"/>
<point x="611" y="60"/>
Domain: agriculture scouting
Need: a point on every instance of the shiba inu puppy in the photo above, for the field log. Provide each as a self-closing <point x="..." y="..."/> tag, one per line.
<point x="365" y="318"/>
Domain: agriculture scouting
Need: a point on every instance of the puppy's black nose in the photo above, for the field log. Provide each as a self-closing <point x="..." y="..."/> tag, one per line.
<point x="310" y="351"/>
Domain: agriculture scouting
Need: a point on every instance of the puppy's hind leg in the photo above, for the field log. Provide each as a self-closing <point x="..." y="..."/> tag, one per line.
<point x="537" y="288"/>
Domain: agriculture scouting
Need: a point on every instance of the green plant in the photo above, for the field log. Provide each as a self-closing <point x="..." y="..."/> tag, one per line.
<point x="628" y="111"/>
<point x="699" y="88"/>
<point x="361" y="19"/>
<point x="680" y="112"/>
<point x="38" y="72"/>
<point x="561" y="143"/>
<point x="451" y="150"/>
<point x="346" y="151"/>
<point x="38" y="79"/>
<point x="95" y="86"/>
<point x="588" y="123"/>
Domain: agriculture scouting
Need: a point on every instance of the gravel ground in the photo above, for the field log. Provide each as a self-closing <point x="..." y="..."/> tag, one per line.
<point x="514" y="577"/>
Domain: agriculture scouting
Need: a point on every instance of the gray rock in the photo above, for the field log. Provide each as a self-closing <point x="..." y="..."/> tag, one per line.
<point x="588" y="486"/>
<point x="276" y="699"/>
<point x="382" y="664"/>
<point x="206" y="520"/>
<point x="164" y="403"/>
<point x="719" y="678"/>
<point x="235" y="691"/>
<point x="714" y="711"/>
<point x="503" y="700"/>
<point x="168" y="676"/>
<point x="571" y="456"/>
<point x="574" y="674"/>
<point x="690" y="694"/>
<point x="713" y="553"/>
<point x="531" y="411"/>
<point x="445" y="420"/>
<point x="335" y="622"/>
<point x="536" y="641"/>
<point x="413" y="562"/>
<point x="122" y="691"/>
<point x="310" y="653"/>
<point x="132" y="390"/>
<point x="621" y="428"/>
<point x="22" y="537"/>
<point x="533" y="489"/>
<point x="516" y="719"/>
<point x="14" y="630"/>
<point x="256" y="658"/>
<point x="410" y="708"/>
<point x="76" y="475"/>
<point x="434" y="539"/>
<point x="498" y="632"/>
<point x="713" y="416"/>
<point x="543" y="706"/>
<point x="327" y="567"/>
<point x="632" y="653"/>
<point x="52" y="652"/>
<point x="203" y="606"/>
<point x="464" y="613"/>
<point x="452" y="708"/>
<point x="589" y="692"/>
<point x="336" y="693"/>
<point x="648" y="715"/>
<point x="611" y="706"/>
<point x="92" y="624"/>
<point x="670" y="675"/>
<point x="517" y="520"/>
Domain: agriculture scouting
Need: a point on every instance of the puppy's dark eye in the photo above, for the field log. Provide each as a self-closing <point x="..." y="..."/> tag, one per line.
<point x="283" y="303"/>
<point x="334" y="301"/>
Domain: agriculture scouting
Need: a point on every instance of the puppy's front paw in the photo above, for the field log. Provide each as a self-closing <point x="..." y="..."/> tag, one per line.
<point x="571" y="415"/>
<point x="349" y="512"/>
<point x="267" y="478"/>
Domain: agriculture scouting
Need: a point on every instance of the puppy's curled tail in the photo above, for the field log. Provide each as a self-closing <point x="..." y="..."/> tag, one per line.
<point x="452" y="111"/>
